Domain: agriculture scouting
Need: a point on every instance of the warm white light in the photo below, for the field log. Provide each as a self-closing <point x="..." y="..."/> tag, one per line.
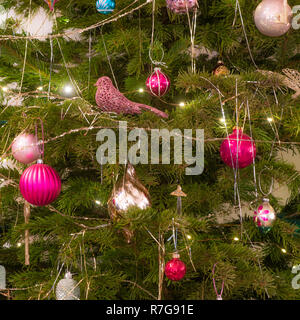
<point x="68" y="89"/>
<point x="19" y="244"/>
<point x="181" y="104"/>
<point x="236" y="239"/>
<point x="98" y="202"/>
<point x="39" y="88"/>
<point x="189" y="237"/>
<point x="5" y="89"/>
<point x="222" y="120"/>
<point x="141" y="90"/>
<point x="270" y="119"/>
<point x="283" y="250"/>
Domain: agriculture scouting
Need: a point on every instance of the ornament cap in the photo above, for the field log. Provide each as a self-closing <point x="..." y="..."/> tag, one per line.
<point x="176" y="255"/>
<point x="178" y="192"/>
<point x="40" y="161"/>
<point x="68" y="275"/>
<point x="237" y="128"/>
<point x="266" y="200"/>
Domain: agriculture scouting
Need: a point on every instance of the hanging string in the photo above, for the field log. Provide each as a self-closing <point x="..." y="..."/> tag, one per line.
<point x="90" y="58"/>
<point x="26" y="49"/>
<point x="245" y="34"/>
<point x="41" y="144"/>
<point x="111" y="69"/>
<point x="51" y="66"/>
<point x="219" y="296"/>
<point x="192" y="27"/>
<point x="265" y="194"/>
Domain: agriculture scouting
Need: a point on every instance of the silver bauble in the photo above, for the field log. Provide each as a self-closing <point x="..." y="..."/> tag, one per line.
<point x="272" y="18"/>
<point x="67" y="288"/>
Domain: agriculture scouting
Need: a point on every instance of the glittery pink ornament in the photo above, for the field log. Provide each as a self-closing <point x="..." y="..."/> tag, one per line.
<point x="273" y="17"/>
<point x="158" y="83"/>
<point x="40" y="184"/>
<point x="265" y="216"/>
<point x="239" y="149"/>
<point x="110" y="99"/>
<point x="175" y="269"/>
<point x="25" y="148"/>
<point x="181" y="6"/>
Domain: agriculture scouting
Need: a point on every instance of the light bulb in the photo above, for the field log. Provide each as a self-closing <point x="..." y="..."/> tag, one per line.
<point x="141" y="90"/>
<point x="283" y="250"/>
<point x="270" y="119"/>
<point x="5" y="89"/>
<point x="189" y="237"/>
<point x="39" y="88"/>
<point x="236" y="239"/>
<point x="68" y="89"/>
<point x="98" y="202"/>
<point x="181" y="104"/>
<point x="222" y="120"/>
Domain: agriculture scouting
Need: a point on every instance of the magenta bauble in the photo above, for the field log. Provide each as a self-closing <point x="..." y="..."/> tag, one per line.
<point x="40" y="184"/>
<point x="238" y="150"/>
<point x="25" y="148"/>
<point x="158" y="83"/>
<point x="181" y="6"/>
<point x="175" y="269"/>
<point x="273" y="17"/>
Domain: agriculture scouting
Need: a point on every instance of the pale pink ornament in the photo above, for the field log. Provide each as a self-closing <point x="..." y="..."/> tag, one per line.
<point x="25" y="148"/>
<point x="110" y="99"/>
<point x="273" y="17"/>
<point x="40" y="184"/>
<point x="238" y="150"/>
<point x="158" y="83"/>
<point x="264" y="216"/>
<point x="181" y="6"/>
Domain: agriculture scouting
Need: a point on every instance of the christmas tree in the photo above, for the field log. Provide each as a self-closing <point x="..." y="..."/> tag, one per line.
<point x="105" y="209"/>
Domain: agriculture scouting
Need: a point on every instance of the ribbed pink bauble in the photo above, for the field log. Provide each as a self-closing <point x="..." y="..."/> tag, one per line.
<point x="175" y="269"/>
<point x="40" y="184"/>
<point x="272" y="19"/>
<point x="25" y="148"/>
<point x="241" y="147"/>
<point x="158" y="83"/>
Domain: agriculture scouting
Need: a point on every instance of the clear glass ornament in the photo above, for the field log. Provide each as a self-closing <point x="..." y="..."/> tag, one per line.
<point x="2" y="277"/>
<point x="67" y="288"/>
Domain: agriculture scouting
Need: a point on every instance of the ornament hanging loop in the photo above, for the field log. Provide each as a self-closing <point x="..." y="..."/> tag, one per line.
<point x="41" y="143"/>
<point x="158" y="63"/>
<point x="259" y="183"/>
<point x="219" y="296"/>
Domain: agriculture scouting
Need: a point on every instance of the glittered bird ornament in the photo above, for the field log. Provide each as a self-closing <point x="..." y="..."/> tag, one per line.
<point x="128" y="193"/>
<point x="221" y="69"/>
<point x="110" y="99"/>
<point x="51" y="3"/>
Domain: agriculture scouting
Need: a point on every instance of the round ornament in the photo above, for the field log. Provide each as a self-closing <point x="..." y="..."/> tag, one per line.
<point x="175" y="269"/>
<point x="264" y="216"/>
<point x="51" y="3"/>
<point x="238" y="150"/>
<point x="181" y="6"/>
<point x="273" y="17"/>
<point x="105" y="6"/>
<point x="67" y="288"/>
<point x="128" y="193"/>
<point x="221" y="69"/>
<point x="40" y="184"/>
<point x="25" y="148"/>
<point x="158" y="83"/>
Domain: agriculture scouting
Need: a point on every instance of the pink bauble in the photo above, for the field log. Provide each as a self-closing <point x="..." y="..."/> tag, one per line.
<point x="175" y="269"/>
<point x="264" y="216"/>
<point x="271" y="19"/>
<point x="25" y="148"/>
<point x="40" y="184"/>
<point x="158" y="83"/>
<point x="239" y="149"/>
<point x="181" y="6"/>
